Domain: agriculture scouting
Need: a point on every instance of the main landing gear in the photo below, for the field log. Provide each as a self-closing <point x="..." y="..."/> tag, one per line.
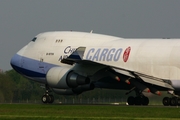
<point x="47" y="98"/>
<point x="140" y="99"/>
<point x="174" y="101"/>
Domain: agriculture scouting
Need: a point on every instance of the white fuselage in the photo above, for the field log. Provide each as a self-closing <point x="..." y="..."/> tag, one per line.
<point x="159" y="58"/>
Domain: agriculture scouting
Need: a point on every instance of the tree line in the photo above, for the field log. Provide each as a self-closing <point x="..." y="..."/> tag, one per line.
<point x="14" y="87"/>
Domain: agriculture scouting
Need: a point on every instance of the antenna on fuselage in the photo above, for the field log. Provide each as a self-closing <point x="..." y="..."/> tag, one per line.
<point x="91" y="31"/>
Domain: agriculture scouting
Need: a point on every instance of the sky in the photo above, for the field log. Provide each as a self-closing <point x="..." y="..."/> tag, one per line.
<point x="21" y="20"/>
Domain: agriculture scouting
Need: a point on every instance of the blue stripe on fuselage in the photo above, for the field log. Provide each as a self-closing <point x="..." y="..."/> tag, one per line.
<point x="28" y="73"/>
<point x="29" y="67"/>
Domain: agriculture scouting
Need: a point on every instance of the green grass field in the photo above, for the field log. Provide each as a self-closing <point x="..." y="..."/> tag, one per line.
<point x="90" y="112"/>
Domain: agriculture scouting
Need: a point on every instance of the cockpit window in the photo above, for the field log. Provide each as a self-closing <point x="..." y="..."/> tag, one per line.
<point x="34" y="39"/>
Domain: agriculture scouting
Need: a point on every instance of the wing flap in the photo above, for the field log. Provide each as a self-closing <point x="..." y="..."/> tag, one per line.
<point x="146" y="78"/>
<point x="158" y="82"/>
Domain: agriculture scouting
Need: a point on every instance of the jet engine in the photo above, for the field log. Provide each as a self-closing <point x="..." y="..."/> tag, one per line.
<point x="74" y="91"/>
<point x="64" y="78"/>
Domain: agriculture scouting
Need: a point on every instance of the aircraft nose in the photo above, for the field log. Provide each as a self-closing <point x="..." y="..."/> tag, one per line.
<point x="15" y="61"/>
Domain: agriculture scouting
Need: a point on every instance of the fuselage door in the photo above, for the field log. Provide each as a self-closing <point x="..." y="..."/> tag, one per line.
<point x="41" y="64"/>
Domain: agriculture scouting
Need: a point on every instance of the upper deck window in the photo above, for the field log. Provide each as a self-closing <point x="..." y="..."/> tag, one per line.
<point x="34" y="39"/>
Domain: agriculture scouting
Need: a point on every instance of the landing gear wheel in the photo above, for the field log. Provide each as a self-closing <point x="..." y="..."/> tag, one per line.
<point x="130" y="100"/>
<point x="138" y="100"/>
<point x="145" y="100"/>
<point x="173" y="101"/>
<point x="45" y="98"/>
<point x="51" y="98"/>
<point x="178" y="101"/>
<point x="166" y="101"/>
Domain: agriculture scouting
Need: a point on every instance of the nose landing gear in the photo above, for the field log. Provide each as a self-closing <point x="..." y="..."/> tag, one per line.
<point x="47" y="98"/>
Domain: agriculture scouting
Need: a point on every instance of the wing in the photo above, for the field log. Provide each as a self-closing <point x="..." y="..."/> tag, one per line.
<point x="146" y="78"/>
<point x="138" y="80"/>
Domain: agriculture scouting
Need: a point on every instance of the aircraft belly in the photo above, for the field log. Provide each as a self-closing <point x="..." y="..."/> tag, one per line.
<point x="176" y="84"/>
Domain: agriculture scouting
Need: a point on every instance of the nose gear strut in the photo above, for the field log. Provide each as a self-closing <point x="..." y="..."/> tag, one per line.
<point x="47" y="98"/>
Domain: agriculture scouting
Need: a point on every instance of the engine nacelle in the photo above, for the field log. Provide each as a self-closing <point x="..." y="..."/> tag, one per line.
<point x="74" y="91"/>
<point x="63" y="91"/>
<point x="63" y="78"/>
<point x="83" y="88"/>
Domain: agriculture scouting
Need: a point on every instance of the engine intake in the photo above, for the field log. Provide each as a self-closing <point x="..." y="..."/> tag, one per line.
<point x="63" y="78"/>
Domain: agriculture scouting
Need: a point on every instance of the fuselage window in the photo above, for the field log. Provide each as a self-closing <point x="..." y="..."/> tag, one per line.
<point x="34" y="39"/>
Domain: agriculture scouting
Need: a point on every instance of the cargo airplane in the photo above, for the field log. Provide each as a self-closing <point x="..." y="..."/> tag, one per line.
<point x="69" y="63"/>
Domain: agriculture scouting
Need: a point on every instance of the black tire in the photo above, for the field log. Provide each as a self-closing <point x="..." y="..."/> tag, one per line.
<point x="131" y="100"/>
<point x="173" y="101"/>
<point x="45" y="99"/>
<point x="145" y="100"/>
<point x="138" y="100"/>
<point x="166" y="101"/>
<point x="51" y="98"/>
<point x="178" y="101"/>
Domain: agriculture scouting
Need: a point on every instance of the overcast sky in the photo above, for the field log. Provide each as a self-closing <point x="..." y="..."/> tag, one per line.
<point x="21" y="20"/>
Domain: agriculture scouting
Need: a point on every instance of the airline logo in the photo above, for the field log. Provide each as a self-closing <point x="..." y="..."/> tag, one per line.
<point x="67" y="51"/>
<point x="126" y="54"/>
<point x="105" y="54"/>
<point x="98" y="54"/>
